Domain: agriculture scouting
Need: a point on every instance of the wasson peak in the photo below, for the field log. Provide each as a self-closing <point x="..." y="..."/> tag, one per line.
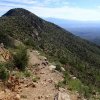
<point x="79" y="57"/>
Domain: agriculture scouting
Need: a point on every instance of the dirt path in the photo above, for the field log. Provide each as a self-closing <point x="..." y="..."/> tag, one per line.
<point x="43" y="87"/>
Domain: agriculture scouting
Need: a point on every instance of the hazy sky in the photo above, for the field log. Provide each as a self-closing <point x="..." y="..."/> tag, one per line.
<point x="66" y="9"/>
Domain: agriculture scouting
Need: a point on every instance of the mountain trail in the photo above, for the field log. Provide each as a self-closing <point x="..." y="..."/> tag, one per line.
<point x="41" y="84"/>
<point x="45" y="86"/>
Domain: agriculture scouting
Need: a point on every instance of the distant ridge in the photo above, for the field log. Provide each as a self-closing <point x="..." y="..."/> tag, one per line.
<point x="88" y="30"/>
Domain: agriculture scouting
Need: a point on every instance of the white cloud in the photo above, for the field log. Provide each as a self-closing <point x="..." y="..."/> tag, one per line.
<point x="38" y="2"/>
<point x="66" y="11"/>
<point x="22" y="1"/>
<point x="7" y="5"/>
<point x="55" y="2"/>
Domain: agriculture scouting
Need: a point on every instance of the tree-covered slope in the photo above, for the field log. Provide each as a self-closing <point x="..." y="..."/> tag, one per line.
<point x="82" y="56"/>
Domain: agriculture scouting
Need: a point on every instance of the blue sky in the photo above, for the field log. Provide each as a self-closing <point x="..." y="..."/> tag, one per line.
<point x="65" y="9"/>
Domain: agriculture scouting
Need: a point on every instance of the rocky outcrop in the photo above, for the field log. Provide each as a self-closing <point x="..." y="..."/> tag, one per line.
<point x="52" y="67"/>
<point x="62" y="95"/>
<point x="4" y="54"/>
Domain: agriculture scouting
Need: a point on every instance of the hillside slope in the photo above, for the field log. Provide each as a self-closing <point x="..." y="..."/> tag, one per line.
<point x="40" y="85"/>
<point x="58" y="44"/>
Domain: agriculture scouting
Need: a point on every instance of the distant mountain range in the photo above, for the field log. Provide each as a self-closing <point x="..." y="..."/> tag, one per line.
<point x="89" y="30"/>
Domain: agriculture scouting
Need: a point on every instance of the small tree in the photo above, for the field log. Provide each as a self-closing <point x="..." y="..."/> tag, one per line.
<point x="63" y="60"/>
<point x="21" y="58"/>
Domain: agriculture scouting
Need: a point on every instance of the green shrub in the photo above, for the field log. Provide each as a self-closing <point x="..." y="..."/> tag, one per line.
<point x="63" y="60"/>
<point x="75" y="84"/>
<point x="35" y="79"/>
<point x="4" y="74"/>
<point x="21" y="58"/>
<point x="86" y="91"/>
<point x="19" y="74"/>
<point x="58" y="68"/>
<point x="4" y="38"/>
<point x="27" y="73"/>
<point x="66" y="77"/>
<point x="59" y="84"/>
<point x="9" y="65"/>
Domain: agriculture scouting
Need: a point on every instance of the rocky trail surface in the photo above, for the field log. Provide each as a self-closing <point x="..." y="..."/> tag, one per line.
<point x="40" y="85"/>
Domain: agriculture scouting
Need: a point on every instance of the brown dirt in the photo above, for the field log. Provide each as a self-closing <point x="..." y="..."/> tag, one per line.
<point x="43" y="88"/>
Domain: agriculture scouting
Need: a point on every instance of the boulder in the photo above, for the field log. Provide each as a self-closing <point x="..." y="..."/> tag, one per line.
<point x="52" y="67"/>
<point x="62" y="69"/>
<point x="43" y="58"/>
<point x="62" y="96"/>
<point x="17" y="97"/>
